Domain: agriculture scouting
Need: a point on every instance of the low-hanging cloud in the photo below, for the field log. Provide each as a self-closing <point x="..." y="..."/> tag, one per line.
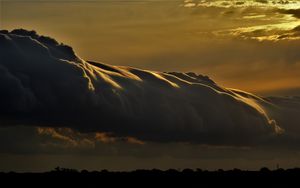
<point x="44" y="83"/>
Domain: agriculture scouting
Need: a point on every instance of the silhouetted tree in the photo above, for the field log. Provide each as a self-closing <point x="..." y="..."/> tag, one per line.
<point x="264" y="170"/>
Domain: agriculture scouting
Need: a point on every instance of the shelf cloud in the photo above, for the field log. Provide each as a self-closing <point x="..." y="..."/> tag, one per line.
<point x="45" y="84"/>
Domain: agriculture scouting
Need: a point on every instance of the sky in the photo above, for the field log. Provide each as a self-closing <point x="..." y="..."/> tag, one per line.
<point x="63" y="110"/>
<point x="250" y="45"/>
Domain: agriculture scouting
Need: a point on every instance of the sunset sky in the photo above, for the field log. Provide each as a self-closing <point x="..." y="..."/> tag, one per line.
<point x="250" y="45"/>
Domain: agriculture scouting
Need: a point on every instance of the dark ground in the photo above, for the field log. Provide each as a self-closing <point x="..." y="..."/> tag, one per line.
<point x="143" y="178"/>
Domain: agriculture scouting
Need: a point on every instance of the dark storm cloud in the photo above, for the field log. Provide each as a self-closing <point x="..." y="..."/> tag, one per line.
<point x="44" y="83"/>
<point x="287" y="113"/>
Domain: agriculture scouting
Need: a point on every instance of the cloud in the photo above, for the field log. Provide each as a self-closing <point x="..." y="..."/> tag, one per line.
<point x="26" y="148"/>
<point x="28" y="140"/>
<point x="284" y="4"/>
<point x="287" y="113"/>
<point x="22" y="148"/>
<point x="45" y="84"/>
<point x="294" y="12"/>
<point x="270" y="32"/>
<point x="257" y="20"/>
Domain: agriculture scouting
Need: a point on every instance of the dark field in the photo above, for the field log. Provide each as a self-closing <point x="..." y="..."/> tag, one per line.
<point x="171" y="177"/>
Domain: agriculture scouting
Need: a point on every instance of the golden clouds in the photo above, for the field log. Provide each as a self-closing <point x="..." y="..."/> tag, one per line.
<point x="271" y="32"/>
<point x="283" y="4"/>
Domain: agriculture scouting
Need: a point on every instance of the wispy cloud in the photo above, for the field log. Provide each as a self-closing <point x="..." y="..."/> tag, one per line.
<point x="282" y="4"/>
<point x="269" y="20"/>
<point x="271" y="32"/>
